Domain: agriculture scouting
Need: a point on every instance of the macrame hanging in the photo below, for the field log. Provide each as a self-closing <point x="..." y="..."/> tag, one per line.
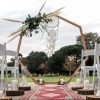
<point x="52" y="35"/>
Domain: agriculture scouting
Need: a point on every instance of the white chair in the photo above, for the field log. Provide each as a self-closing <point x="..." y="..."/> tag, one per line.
<point x="97" y="61"/>
<point x="2" y="55"/>
<point x="84" y="68"/>
<point x="14" y="69"/>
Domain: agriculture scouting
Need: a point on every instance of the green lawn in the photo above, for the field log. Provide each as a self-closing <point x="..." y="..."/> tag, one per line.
<point x="52" y="78"/>
<point x="55" y="78"/>
<point x="49" y="78"/>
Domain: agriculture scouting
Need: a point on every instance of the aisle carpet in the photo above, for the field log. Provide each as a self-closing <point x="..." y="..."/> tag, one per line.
<point x="51" y="93"/>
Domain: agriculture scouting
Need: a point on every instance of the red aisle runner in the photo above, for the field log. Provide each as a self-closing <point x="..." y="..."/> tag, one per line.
<point x="51" y="93"/>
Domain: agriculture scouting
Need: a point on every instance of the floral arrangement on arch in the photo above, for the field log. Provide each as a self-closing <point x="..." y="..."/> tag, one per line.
<point x="37" y="23"/>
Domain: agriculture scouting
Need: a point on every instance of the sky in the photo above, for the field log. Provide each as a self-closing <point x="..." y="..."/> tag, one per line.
<point x="83" y="12"/>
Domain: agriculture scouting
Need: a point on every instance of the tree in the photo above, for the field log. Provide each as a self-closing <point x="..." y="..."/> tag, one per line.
<point x="72" y="55"/>
<point x="59" y="63"/>
<point x="55" y="62"/>
<point x="90" y="39"/>
<point x="35" y="62"/>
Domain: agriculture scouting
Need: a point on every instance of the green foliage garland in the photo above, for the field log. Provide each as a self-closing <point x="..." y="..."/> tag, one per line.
<point x="34" y="23"/>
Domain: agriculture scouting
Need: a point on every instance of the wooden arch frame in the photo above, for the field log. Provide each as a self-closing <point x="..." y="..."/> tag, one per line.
<point x="61" y="18"/>
<point x="83" y="43"/>
<point x="76" y="25"/>
<point x="66" y="20"/>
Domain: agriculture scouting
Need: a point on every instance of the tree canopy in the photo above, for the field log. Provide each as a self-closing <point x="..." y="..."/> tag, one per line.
<point x="35" y="59"/>
<point x="90" y="39"/>
<point x="58" y="59"/>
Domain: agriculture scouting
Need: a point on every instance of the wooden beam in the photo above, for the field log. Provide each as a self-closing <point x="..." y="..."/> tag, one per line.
<point x="76" y="25"/>
<point x="83" y="42"/>
<point x="82" y="38"/>
<point x="19" y="43"/>
<point x="68" y="21"/>
<point x="73" y="75"/>
<point x="28" y="73"/>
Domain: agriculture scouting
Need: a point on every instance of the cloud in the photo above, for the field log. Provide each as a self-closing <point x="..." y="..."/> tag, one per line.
<point x="82" y="12"/>
<point x="92" y="27"/>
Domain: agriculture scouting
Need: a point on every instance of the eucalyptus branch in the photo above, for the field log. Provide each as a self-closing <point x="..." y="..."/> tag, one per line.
<point x="34" y="23"/>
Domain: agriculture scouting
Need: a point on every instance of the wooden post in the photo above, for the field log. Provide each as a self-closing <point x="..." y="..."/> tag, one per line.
<point x="19" y="43"/>
<point x="82" y="38"/>
<point x="76" y="25"/>
<point x="78" y="68"/>
<point x="28" y="73"/>
<point x="72" y="76"/>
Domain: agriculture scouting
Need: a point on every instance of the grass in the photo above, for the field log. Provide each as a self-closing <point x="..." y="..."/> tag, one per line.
<point x="50" y="78"/>
<point x="55" y="78"/>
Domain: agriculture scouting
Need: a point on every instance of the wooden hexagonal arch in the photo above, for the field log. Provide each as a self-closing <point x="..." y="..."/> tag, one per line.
<point x="55" y="13"/>
<point x="83" y="42"/>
